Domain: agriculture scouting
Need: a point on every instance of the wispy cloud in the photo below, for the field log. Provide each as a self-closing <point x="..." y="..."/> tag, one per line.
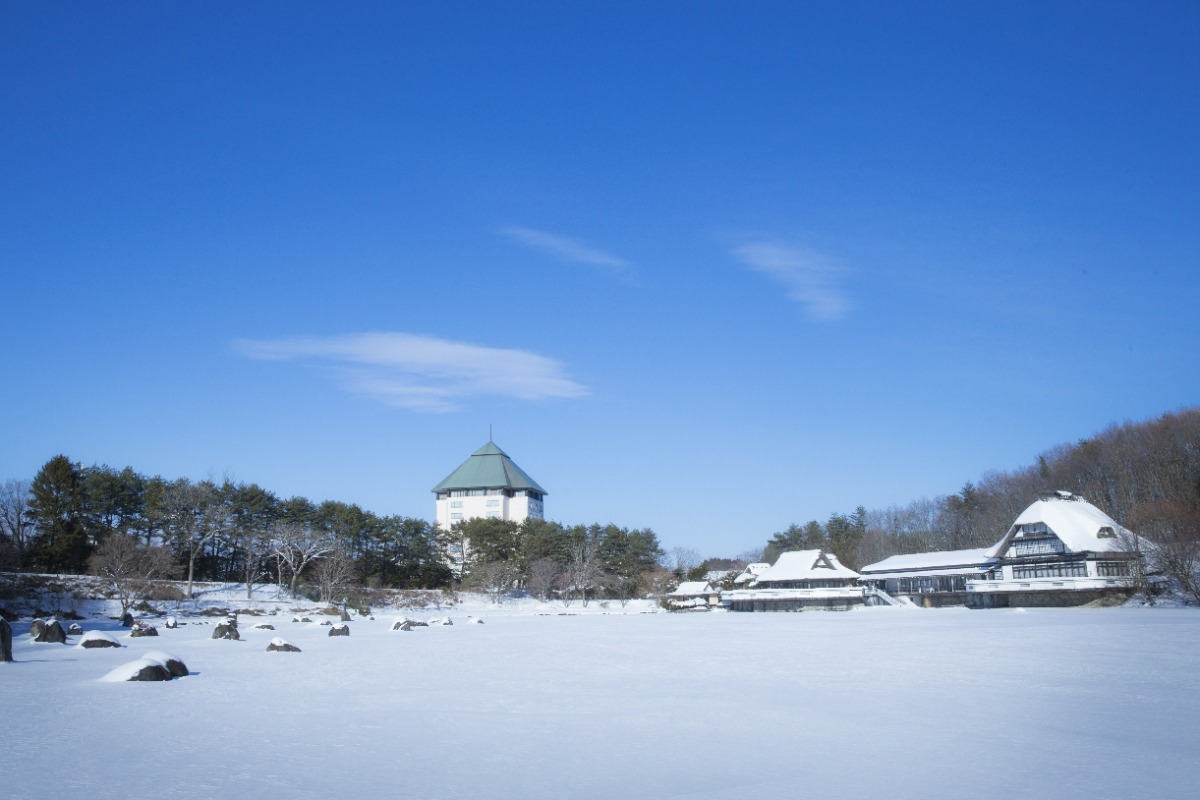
<point x="422" y="373"/>
<point x="810" y="278"/>
<point x="566" y="249"/>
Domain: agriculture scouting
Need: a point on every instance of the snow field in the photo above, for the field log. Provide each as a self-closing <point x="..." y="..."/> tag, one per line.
<point x="872" y="703"/>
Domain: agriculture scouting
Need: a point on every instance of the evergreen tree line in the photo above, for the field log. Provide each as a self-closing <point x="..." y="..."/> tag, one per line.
<point x="548" y="559"/>
<point x="215" y="531"/>
<point x="74" y="519"/>
<point x="1144" y="475"/>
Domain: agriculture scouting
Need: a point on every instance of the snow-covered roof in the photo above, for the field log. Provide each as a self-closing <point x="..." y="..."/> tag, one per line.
<point x="947" y="562"/>
<point x="692" y="588"/>
<point x="803" y="565"/>
<point x="1076" y="522"/>
<point x="751" y="572"/>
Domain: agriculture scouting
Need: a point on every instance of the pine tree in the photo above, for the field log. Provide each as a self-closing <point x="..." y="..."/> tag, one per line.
<point x="57" y="508"/>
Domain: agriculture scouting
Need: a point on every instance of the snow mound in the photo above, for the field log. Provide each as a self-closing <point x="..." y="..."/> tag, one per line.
<point x="144" y="669"/>
<point x="98" y="639"/>
<point x="153" y="666"/>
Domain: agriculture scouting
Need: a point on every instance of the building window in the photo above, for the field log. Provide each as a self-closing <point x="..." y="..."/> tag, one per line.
<point x="456" y="515"/>
<point x="493" y="513"/>
<point x="1074" y="569"/>
<point x="1112" y="569"/>
<point x="1039" y="546"/>
<point x="456" y="503"/>
<point x="493" y="503"/>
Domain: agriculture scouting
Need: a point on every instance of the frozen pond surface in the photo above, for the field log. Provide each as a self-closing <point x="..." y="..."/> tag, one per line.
<point x="868" y="704"/>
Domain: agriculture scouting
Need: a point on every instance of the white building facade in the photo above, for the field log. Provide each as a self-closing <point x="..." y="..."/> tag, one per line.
<point x="488" y="484"/>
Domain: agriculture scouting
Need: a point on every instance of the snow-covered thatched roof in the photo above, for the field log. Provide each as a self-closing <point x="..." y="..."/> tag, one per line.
<point x="804" y="565"/>
<point x="692" y="589"/>
<point x="1077" y="523"/>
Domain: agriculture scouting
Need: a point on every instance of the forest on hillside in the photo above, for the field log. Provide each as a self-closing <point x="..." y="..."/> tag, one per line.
<point x="1145" y="475"/>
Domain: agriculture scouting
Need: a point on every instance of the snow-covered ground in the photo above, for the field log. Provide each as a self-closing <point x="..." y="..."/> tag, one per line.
<point x="873" y="703"/>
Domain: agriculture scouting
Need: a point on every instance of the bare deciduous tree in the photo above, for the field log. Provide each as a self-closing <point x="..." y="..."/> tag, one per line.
<point x="128" y="566"/>
<point x="496" y="578"/>
<point x="540" y="577"/>
<point x="192" y="515"/>
<point x="14" y="502"/>
<point x="295" y="546"/>
<point x="335" y="573"/>
<point x="1173" y="527"/>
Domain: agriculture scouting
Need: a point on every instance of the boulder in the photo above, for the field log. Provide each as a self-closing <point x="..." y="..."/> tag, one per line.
<point x="127" y="620"/>
<point x="51" y="632"/>
<point x="407" y="624"/>
<point x="213" y="611"/>
<point x="263" y="626"/>
<point x="226" y="631"/>
<point x="96" y="639"/>
<point x="440" y="621"/>
<point x="171" y="624"/>
<point x="174" y="664"/>
<point x="474" y="621"/>
<point x="340" y="630"/>
<point x="345" y="615"/>
<point x="143" y="629"/>
<point x="74" y="629"/>
<point x="5" y="640"/>
<point x="279" y="645"/>
<point x="306" y="619"/>
<point x="152" y="672"/>
<point x="144" y="669"/>
<point x="36" y="627"/>
<point x="324" y="622"/>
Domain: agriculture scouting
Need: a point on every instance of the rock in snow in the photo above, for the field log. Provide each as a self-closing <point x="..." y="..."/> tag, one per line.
<point x="50" y="632"/>
<point x="5" y="640"/>
<point x="264" y="626"/>
<point x="226" y="631"/>
<point x="173" y="663"/>
<point x="143" y="629"/>
<point x="154" y="666"/>
<point x="279" y="645"/>
<point x="94" y="639"/>
<point x="74" y="629"/>
<point x="340" y="630"/>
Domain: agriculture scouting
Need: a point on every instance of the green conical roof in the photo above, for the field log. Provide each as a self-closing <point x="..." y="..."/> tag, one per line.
<point x="489" y="467"/>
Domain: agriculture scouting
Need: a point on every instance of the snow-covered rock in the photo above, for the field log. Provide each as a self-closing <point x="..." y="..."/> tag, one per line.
<point x="340" y="630"/>
<point x="144" y="669"/>
<point x="226" y="631"/>
<point x="97" y="639"/>
<point x="281" y="645"/>
<point x="50" y="632"/>
<point x="173" y="663"/>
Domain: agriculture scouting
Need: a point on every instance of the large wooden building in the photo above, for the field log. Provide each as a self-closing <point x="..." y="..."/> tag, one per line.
<point x="799" y="580"/>
<point x="1061" y="550"/>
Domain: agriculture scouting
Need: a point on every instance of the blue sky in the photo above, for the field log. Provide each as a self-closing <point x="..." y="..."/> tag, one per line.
<point x="710" y="268"/>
